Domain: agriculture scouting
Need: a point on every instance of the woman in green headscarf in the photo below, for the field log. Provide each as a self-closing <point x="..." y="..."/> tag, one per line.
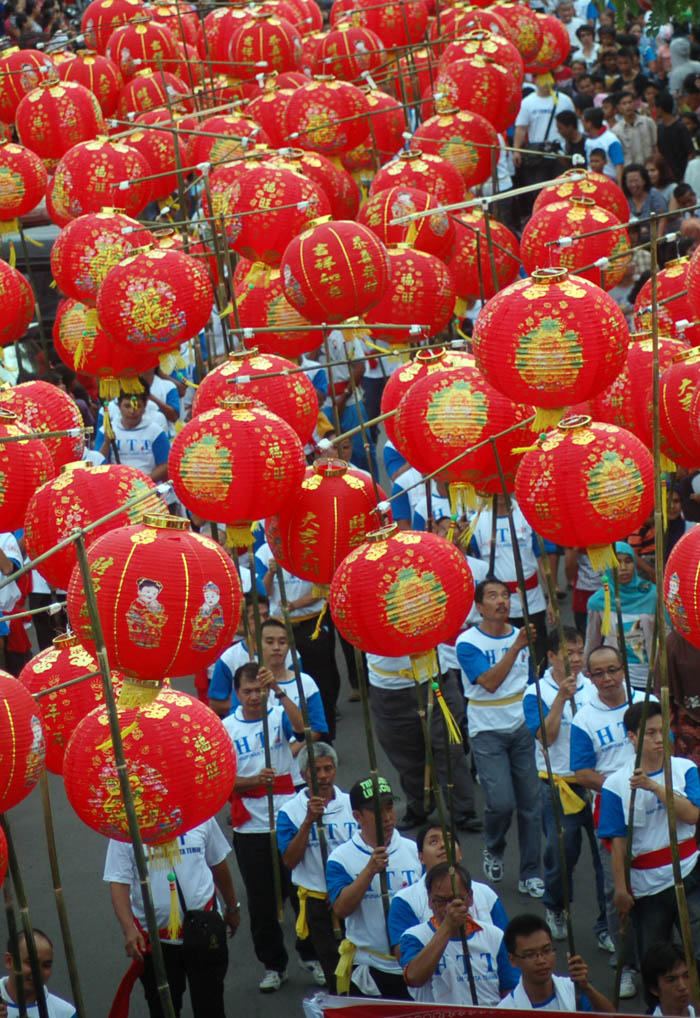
<point x="638" y="604"/>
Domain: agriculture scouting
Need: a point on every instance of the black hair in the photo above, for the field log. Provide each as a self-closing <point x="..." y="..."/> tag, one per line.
<point x="601" y="646"/>
<point x="632" y="718"/>
<point x="567" y="118"/>
<point x="142" y="397"/>
<point x="584" y="28"/>
<point x="277" y="623"/>
<point x="582" y="102"/>
<point x="443" y="870"/>
<point x="664" y="102"/>
<point x="262" y="599"/>
<point x="635" y="168"/>
<point x="423" y="834"/>
<point x="659" y="959"/>
<point x="523" y="926"/>
<point x="247" y="671"/>
<point x="571" y="635"/>
<point x="597" y="152"/>
<point x="613" y="97"/>
<point x="483" y="584"/>
<point x="682" y="189"/>
<point x="626" y="51"/>
<point x="37" y="933"/>
<point x="594" y="115"/>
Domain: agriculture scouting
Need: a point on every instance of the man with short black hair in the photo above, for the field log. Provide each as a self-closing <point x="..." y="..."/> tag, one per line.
<point x="221" y="682"/>
<point x="637" y="134"/>
<point x="574" y="141"/>
<point x="600" y="136"/>
<point x="9" y="996"/>
<point x="665" y="976"/>
<point x="673" y="138"/>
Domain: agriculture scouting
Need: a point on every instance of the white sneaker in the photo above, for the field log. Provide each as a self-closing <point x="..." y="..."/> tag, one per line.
<point x="606" y="943"/>
<point x="315" y="970"/>
<point x="532" y="886"/>
<point x="493" y="867"/>
<point x="272" y="981"/>
<point x="556" y="923"/>
<point x="628" y="987"/>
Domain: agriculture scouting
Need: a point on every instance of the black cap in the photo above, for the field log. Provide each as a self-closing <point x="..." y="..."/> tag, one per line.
<point x="362" y="792"/>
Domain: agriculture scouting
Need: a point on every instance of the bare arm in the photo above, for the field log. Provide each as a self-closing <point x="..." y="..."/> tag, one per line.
<point x="421" y="968"/>
<point x="570" y="564"/>
<point x="552" y="723"/>
<point x="159" y="473"/>
<point x="351" y="896"/>
<point x="221" y="707"/>
<point x="578" y="971"/>
<point x="685" y="809"/>
<point x="296" y="848"/>
<point x="519" y="141"/>
<point x="134" y="943"/>
<point x="590" y="778"/>
<point x="169" y="412"/>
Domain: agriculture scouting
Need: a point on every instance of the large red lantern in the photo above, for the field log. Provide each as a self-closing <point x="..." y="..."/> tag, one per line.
<point x="42" y="407"/>
<point x="587" y="484"/>
<point x="236" y="136"/>
<point x="80" y="495"/>
<point x="91" y="245"/>
<point x="399" y="23"/>
<point x="464" y="139"/>
<point x="181" y="766"/>
<point x="431" y="173"/>
<point x="553" y="340"/>
<point x="388" y="120"/>
<point x="459" y="21"/>
<point x="471" y="262"/>
<point x="264" y="42"/>
<point x="236" y="464"/>
<point x="334" y="271"/>
<point x="674" y="309"/>
<point x="57" y="115"/>
<point x="681" y="586"/>
<point x="523" y="26"/>
<point x="262" y="305"/>
<point x="3" y="856"/>
<point x="21" y="71"/>
<point x="480" y="86"/>
<point x="219" y="25"/>
<point x="90" y="176"/>
<point x="262" y="377"/>
<point x="97" y="73"/>
<point x="158" y="148"/>
<point x="554" y="48"/>
<point x="269" y="111"/>
<point x="24" y="466"/>
<point x="16" y="304"/>
<point x="149" y="90"/>
<point x="62" y="709"/>
<point x="169" y="600"/>
<point x="401" y="592"/>
<point x="490" y="45"/>
<point x="328" y="116"/>
<point x="335" y="181"/>
<point x="679" y="425"/>
<point x="426" y="362"/>
<point x="445" y="413"/>
<point x="328" y="517"/>
<point x="155" y="300"/>
<point x="581" y="183"/>
<point x="101" y="17"/>
<point x="567" y="234"/>
<point x="420" y="292"/>
<point x="22" y="181"/>
<point x="22" y="746"/>
<point x="348" y="51"/>
<point x="139" y="44"/>
<point x="434" y="234"/>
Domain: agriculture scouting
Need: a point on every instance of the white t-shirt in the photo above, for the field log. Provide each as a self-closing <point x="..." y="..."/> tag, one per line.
<point x="599" y="738"/>
<point x="477" y="652"/>
<point x="563" y="998"/>
<point x="338" y="823"/>
<point x="448" y="651"/>
<point x="56" y="1007"/>
<point x="535" y="111"/>
<point x="248" y="742"/>
<point x="294" y="588"/>
<point x="409" y="907"/>
<point x="389" y="672"/>
<point x="559" y="750"/>
<point x="202" y="847"/>
<point x="504" y="563"/>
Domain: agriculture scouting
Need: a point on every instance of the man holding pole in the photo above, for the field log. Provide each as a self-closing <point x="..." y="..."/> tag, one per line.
<point x="262" y="772"/>
<point x="650" y="895"/>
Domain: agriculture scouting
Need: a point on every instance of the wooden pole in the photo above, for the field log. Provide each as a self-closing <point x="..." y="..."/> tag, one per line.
<point x="14" y="948"/>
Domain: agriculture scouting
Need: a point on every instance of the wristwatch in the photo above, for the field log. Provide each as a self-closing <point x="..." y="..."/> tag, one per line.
<point x="281" y="696"/>
<point x="233" y="909"/>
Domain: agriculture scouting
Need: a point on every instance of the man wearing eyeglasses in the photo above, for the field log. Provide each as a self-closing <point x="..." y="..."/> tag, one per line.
<point x="530" y="949"/>
<point x="599" y="747"/>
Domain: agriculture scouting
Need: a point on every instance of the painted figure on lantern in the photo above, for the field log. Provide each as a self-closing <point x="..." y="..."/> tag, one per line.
<point x="146" y="616"/>
<point x="209" y="620"/>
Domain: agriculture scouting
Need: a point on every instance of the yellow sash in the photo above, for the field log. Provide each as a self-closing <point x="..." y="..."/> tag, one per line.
<point x="571" y="802"/>
<point x="343" y="970"/>
<point x="498" y="703"/>
<point x="302" y="927"/>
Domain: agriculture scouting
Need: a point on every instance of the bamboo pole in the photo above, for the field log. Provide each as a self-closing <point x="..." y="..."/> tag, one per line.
<point x="14" y="948"/>
<point x="67" y="433"/>
<point x="66" y="684"/>
<point x="52" y="609"/>
<point x="621" y="643"/>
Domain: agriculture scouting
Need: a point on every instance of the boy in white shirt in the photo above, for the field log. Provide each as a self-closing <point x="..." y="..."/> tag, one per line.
<point x="666" y="978"/>
<point x="9" y="1006"/>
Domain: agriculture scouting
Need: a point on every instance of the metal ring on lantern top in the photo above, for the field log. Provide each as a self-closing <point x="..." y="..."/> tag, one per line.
<point x="382" y="534"/>
<point x="575" y="421"/>
<point x="163" y="522"/>
<point x="554" y="274"/>
<point x="330" y="467"/>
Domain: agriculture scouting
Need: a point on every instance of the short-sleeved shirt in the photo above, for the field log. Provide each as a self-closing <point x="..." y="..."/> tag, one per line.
<point x="339" y="825"/>
<point x="535" y="112"/>
<point x="56" y="1007"/>
<point x="501" y="710"/>
<point x="559" y="750"/>
<point x="143" y="448"/>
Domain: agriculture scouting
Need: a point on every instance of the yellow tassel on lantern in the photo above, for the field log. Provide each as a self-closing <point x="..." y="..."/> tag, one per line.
<point x="461" y="308"/>
<point x="463" y="497"/>
<point x="667" y="465"/>
<point x="602" y="556"/>
<point x="138" y="693"/>
<point x="424" y="666"/>
<point x="164" y="856"/>
<point x="172" y="360"/>
<point x="109" y="387"/>
<point x="545" y="419"/>
<point x="454" y="734"/>
<point x="607" y="609"/>
<point x="319" y="620"/>
<point x="238" y="535"/>
<point x="131" y="384"/>
<point x="320" y="589"/>
<point x="174" y="922"/>
<point x="467" y="535"/>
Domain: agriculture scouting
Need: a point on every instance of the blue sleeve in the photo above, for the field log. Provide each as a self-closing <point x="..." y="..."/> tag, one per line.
<point x="592" y="12"/>
<point x="320" y="383"/>
<point x="612" y="819"/>
<point x="393" y="460"/>
<point x="173" y="399"/>
<point x="692" y="785"/>
<point x="286" y="830"/>
<point x="99" y="439"/>
<point x="585" y="1004"/>
<point x="400" y="506"/>
<point x="418" y="522"/>
<point x="317" y="715"/>
<point x="409" y="948"/>
<point x="549" y="546"/>
<point x="221" y="683"/>
<point x="508" y="976"/>
<point x="337" y="878"/>
<point x="287" y="728"/>
<point x="532" y="712"/>
<point x="535" y="545"/>
<point x="499" y="916"/>
<point x="401" y="918"/>
<point x="472" y="661"/>
<point x="615" y="154"/>
<point x="581" y="753"/>
<point x="161" y="449"/>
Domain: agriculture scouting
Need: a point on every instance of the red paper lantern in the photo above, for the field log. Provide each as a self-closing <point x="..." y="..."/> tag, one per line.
<point x="22" y="746"/>
<point x="434" y="234"/>
<point x="96" y="73"/>
<point x="269" y="111"/>
<point x="24" y="466"/>
<point x="388" y="120"/>
<point x="41" y="407"/>
<point x="681" y="585"/>
<point x="236" y="464"/>
<point x="411" y="78"/>
<point x="334" y="271"/>
<point x="604" y="191"/>
<point x="470" y="263"/>
<point x="490" y="46"/>
<point x="554" y="48"/>
<point x="262" y="304"/>
<point x="480" y="86"/>
<point x="587" y="484"/>
<point x="447" y="412"/>
<point x="354" y="11"/>
<point x="399" y="23"/>
<point x="693" y="284"/>
<point x="155" y="300"/>
<point x="101" y="17"/>
<point x="401" y="592"/>
<point x="158" y="148"/>
<point x="91" y="245"/>
<point x="57" y="213"/>
<point x="219" y="26"/>
<point x="341" y="190"/>
<point x="21" y="71"/>
<point x="348" y="51"/>
<point x="553" y="340"/>
<point x="3" y="856"/>
<point x="56" y="116"/>
<point x="218" y="150"/>
<point x="22" y="181"/>
<point x="327" y="517"/>
<point x="291" y="396"/>
<point x="431" y="173"/>
<point x="181" y="765"/>
<point x="464" y="139"/>
<point x="149" y="90"/>
<point x="169" y="600"/>
<point x="80" y="495"/>
<point x="60" y="711"/>
<point x="183" y="22"/>
<point x="523" y="26"/>
<point x="141" y="43"/>
<point x="458" y="21"/>
<point x="426" y="362"/>
<point x="264" y="42"/>
<point x="89" y="176"/>
<point x="16" y="304"/>
<point x="671" y="287"/>
<point x="679" y="425"/>
<point x="420" y="292"/>
<point x="328" y="116"/>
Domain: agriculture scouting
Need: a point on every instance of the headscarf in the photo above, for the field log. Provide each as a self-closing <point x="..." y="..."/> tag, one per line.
<point x="638" y="597"/>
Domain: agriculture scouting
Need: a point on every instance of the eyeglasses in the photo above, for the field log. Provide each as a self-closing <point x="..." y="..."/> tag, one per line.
<point x="544" y="952"/>
<point x="437" y="900"/>
<point x="612" y="671"/>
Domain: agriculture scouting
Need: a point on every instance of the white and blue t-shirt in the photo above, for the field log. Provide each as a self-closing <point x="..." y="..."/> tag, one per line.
<point x="409" y="907"/>
<point x="338" y="824"/>
<point x="559" y="750"/>
<point x="599" y="738"/>
<point x="144" y="447"/>
<point x="477" y="652"/>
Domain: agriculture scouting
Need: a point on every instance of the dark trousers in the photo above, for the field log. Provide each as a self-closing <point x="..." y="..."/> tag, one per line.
<point x="47" y="626"/>
<point x="656" y="915"/>
<point x="318" y="661"/>
<point x="389" y="984"/>
<point x="305" y="948"/>
<point x="206" y="984"/>
<point x="373" y="389"/>
<point x="255" y="863"/>
<point x="319" y="919"/>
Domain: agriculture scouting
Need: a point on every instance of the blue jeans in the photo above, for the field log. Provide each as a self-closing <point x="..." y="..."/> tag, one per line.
<point x="573" y="824"/>
<point x="505" y="762"/>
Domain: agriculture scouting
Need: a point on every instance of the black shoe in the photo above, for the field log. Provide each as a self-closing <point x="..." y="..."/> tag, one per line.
<point x="411" y="820"/>
<point x="469" y="822"/>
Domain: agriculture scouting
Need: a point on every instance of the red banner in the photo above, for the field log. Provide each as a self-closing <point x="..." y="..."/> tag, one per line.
<point x="366" y="1007"/>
